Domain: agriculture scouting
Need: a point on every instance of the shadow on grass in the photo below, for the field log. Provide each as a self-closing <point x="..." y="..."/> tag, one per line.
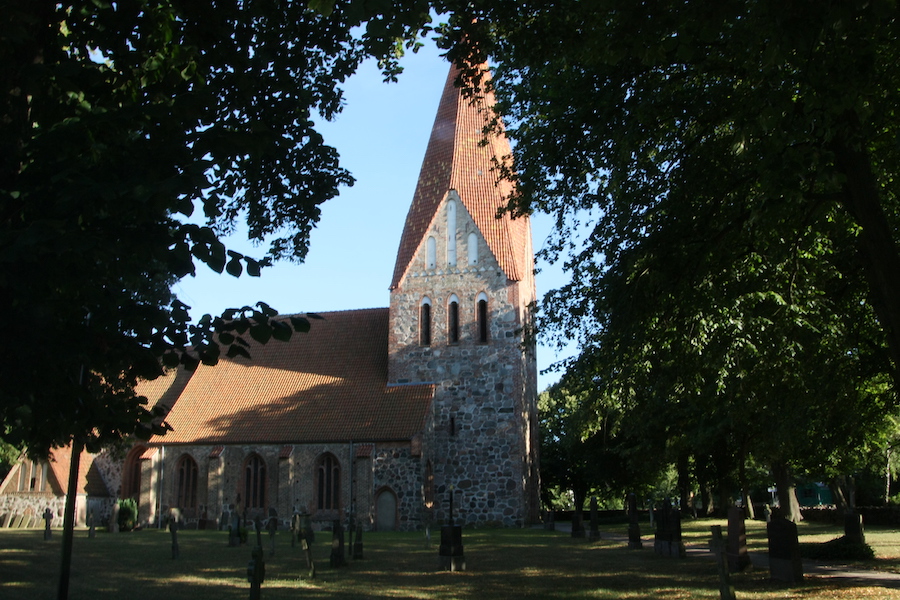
<point x="500" y="564"/>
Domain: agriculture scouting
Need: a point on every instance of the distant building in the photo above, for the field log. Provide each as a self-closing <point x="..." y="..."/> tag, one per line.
<point x="376" y="414"/>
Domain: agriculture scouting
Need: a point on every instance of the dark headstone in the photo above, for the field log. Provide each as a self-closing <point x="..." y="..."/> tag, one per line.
<point x="306" y="538"/>
<point x="338" y="558"/>
<point x="452" y="557"/>
<point x="667" y="540"/>
<point x="717" y="546"/>
<point x="634" y="529"/>
<point x="358" y="544"/>
<point x="92" y="529"/>
<point x="234" y="530"/>
<point x="549" y="521"/>
<point x="784" y="551"/>
<point x="736" y="550"/>
<point x="578" y="523"/>
<point x="595" y="523"/>
<point x="853" y="528"/>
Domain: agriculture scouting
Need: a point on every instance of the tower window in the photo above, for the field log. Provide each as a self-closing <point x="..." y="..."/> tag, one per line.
<point x="472" y="248"/>
<point x="425" y="322"/>
<point x="453" y="320"/>
<point x="482" y="318"/>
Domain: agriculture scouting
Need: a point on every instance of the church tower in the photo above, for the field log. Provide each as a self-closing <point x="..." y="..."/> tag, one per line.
<point x="461" y="297"/>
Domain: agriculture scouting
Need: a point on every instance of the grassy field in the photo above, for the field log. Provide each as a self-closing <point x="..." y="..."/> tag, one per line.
<point x="500" y="564"/>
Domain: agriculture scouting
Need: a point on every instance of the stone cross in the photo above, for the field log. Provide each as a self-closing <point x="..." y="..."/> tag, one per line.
<point x="48" y="516"/>
<point x="717" y="546"/>
<point x="256" y="570"/>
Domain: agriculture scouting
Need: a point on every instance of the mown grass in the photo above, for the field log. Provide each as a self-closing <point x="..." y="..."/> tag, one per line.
<point x="529" y="563"/>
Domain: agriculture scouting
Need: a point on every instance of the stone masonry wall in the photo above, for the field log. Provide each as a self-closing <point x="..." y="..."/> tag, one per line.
<point x="483" y="407"/>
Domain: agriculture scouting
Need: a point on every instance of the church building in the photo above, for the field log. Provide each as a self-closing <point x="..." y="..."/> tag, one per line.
<point x="378" y="415"/>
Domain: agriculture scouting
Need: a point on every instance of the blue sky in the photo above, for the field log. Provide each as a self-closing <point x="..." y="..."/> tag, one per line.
<point x="381" y="136"/>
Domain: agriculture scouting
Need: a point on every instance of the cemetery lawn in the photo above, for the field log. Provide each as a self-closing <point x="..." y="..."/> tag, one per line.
<point x="529" y="563"/>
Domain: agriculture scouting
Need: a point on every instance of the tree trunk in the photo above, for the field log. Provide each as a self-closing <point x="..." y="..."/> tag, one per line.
<point x="837" y="492"/>
<point x="749" y="513"/>
<point x="69" y="521"/>
<point x="578" y="514"/>
<point x="684" y="485"/>
<point x="789" y="507"/>
<point x="887" y="476"/>
<point x="876" y="245"/>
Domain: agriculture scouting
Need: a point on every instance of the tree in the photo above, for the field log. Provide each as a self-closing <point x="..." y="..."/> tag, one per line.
<point x="730" y="173"/>
<point x="117" y="121"/>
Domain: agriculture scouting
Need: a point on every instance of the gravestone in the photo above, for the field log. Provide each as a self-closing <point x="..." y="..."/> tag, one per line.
<point x="114" y="518"/>
<point x="337" y="545"/>
<point x="295" y="528"/>
<point x="272" y="528"/>
<point x="174" y="525"/>
<point x="595" y="523"/>
<point x="549" y="520"/>
<point x="451" y="554"/>
<point x="717" y="546"/>
<point x="667" y="540"/>
<point x="17" y="521"/>
<point x="578" y="523"/>
<point x="92" y="528"/>
<point x="48" y="517"/>
<point x="358" y="544"/>
<point x="736" y="549"/>
<point x="634" y="528"/>
<point x="306" y="539"/>
<point x="853" y="528"/>
<point x="234" y="530"/>
<point x="784" y="551"/>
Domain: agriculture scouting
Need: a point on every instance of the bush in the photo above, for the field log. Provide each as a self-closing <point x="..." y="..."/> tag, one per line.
<point x="128" y="514"/>
<point x="837" y="549"/>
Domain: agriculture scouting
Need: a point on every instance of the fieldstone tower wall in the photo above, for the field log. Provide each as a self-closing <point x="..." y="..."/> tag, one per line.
<point x="482" y="444"/>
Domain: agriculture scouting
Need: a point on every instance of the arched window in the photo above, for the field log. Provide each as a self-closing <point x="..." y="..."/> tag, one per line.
<point x="425" y="322"/>
<point x="186" y="482"/>
<point x="131" y="473"/>
<point x="472" y="248"/>
<point x="453" y="320"/>
<point x="482" y="318"/>
<point x="328" y="483"/>
<point x="451" y="233"/>
<point x="255" y="481"/>
<point x="431" y="253"/>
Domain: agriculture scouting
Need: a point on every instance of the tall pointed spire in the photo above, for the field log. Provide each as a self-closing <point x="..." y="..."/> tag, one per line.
<point x="457" y="158"/>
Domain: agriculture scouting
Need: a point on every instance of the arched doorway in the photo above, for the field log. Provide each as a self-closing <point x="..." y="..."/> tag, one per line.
<point x="386" y="510"/>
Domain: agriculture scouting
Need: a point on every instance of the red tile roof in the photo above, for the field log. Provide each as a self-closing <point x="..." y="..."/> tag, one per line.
<point x="89" y="479"/>
<point x="457" y="158"/>
<point x="327" y="385"/>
